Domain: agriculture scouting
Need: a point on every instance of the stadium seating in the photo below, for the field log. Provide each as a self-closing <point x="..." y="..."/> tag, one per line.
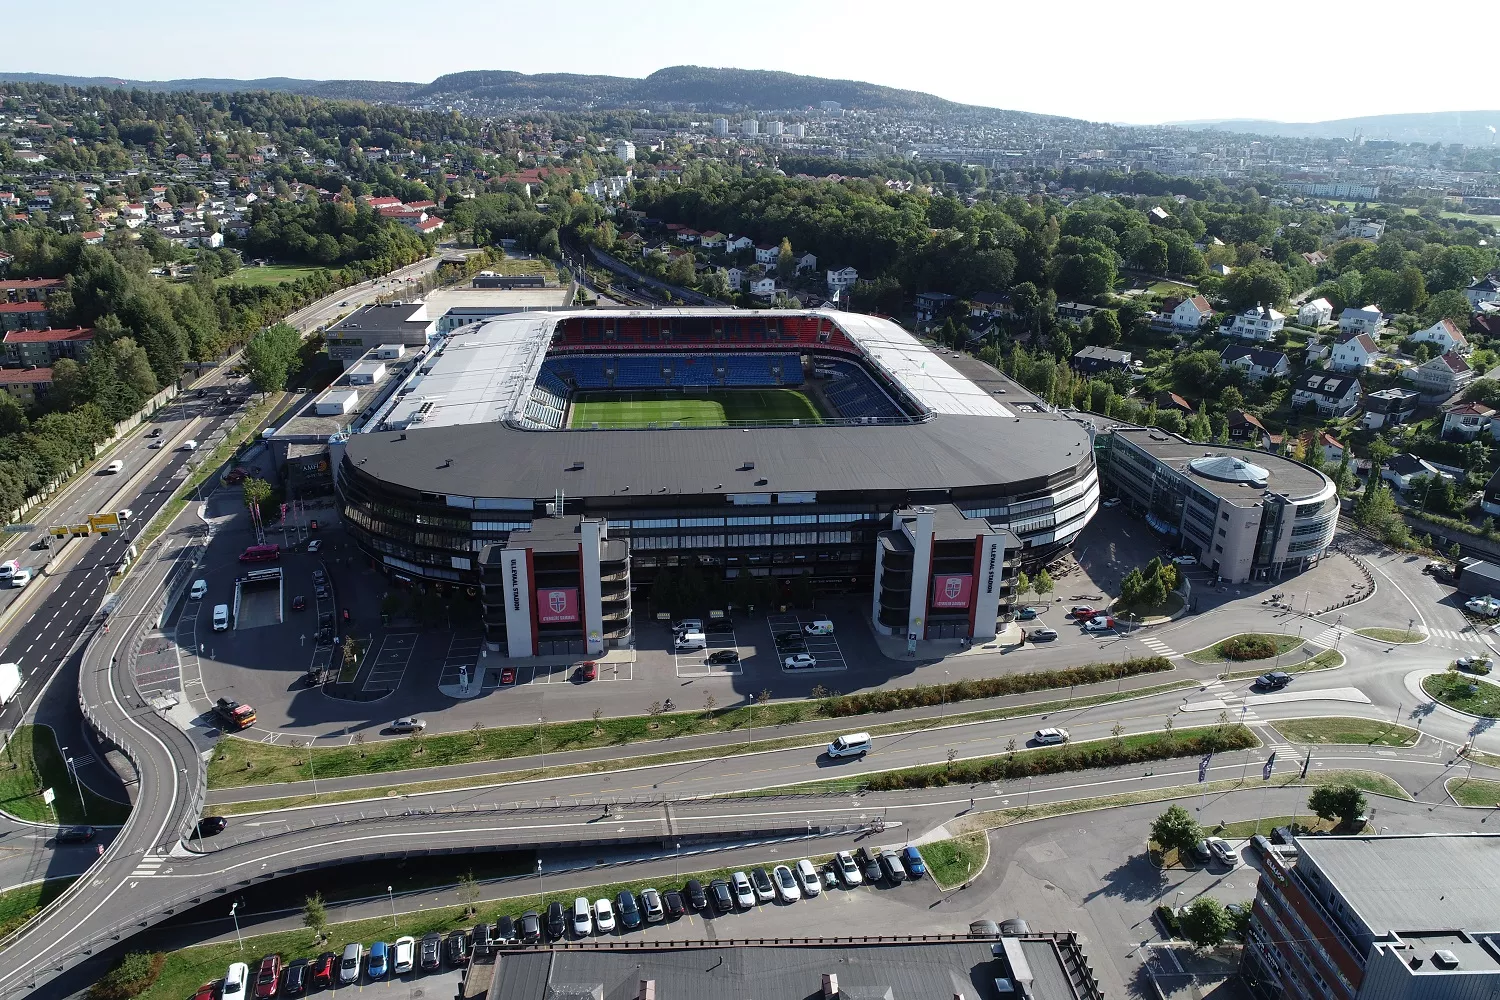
<point x="854" y="394"/>
<point x="677" y="332"/>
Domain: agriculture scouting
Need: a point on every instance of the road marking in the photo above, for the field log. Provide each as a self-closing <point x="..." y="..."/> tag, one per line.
<point x="1158" y="647"/>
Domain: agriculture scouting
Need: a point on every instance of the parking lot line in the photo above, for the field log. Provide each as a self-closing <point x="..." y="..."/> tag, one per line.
<point x="824" y="648"/>
<point x="695" y="663"/>
<point x="391" y="660"/>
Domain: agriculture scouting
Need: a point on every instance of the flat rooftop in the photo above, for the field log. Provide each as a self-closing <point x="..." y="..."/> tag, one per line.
<point x="1435" y="882"/>
<point x="478" y="374"/>
<point x="439" y="302"/>
<point x="927" y="375"/>
<point x="899" y="971"/>
<point x="1285" y="476"/>
<point x="394" y="319"/>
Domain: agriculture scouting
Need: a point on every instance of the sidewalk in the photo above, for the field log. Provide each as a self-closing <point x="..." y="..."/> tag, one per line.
<point x="894" y="647"/>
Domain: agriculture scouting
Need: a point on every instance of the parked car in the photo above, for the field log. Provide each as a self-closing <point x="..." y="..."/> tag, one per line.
<point x="482" y="940"/>
<point x="409" y="724"/>
<point x="800" y="661"/>
<point x="323" y="969"/>
<point x="1273" y="681"/>
<point x="456" y="949"/>
<point x="583" y="917"/>
<point x="627" y="913"/>
<point x="1223" y="852"/>
<point x="651" y="905"/>
<point x="765" y="889"/>
<point x="869" y="864"/>
<point x="236" y="981"/>
<point x="1050" y="736"/>
<point x="1486" y="606"/>
<point x="912" y="859"/>
<point x="586" y="672"/>
<point x="378" y="964"/>
<point x="822" y="626"/>
<point x="531" y="928"/>
<point x="785" y="637"/>
<point x="1026" y="614"/>
<point x="505" y="931"/>
<point x="1201" y="852"/>
<point x="1103" y="623"/>
<point x="268" y="979"/>
<point x="403" y="954"/>
<point x="1041" y="635"/>
<point x="744" y="892"/>
<point x="349" y="963"/>
<point x="1184" y="560"/>
<point x="431" y="957"/>
<point x="1112" y="502"/>
<point x="688" y="625"/>
<point x="724" y="656"/>
<point x="848" y="869"/>
<point x="1082" y="612"/>
<point x="671" y="901"/>
<point x="891" y="867"/>
<point x="723" y="898"/>
<point x="604" y="916"/>
<point x="807" y="878"/>
<point x="786" y="884"/>
<point x="507" y="675"/>
<point x="719" y="626"/>
<point x="295" y="979"/>
<point x="695" y="896"/>
<point x="557" y="921"/>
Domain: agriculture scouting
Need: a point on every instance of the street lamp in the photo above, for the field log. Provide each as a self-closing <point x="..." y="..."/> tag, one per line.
<point x="676" y="858"/>
<point x="233" y="912"/>
<point x="541" y="887"/>
<point x="73" y="770"/>
<point x="391" y="895"/>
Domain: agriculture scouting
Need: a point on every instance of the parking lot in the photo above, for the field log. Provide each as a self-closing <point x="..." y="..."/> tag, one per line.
<point x="388" y="663"/>
<point x="789" y="632"/>
<point x="720" y="636"/>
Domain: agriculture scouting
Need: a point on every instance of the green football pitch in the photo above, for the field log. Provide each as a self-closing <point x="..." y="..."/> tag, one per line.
<point x="694" y="408"/>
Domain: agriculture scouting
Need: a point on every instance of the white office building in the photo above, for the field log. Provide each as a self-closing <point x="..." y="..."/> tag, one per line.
<point x="749" y="127"/>
<point x="625" y="150"/>
<point x="721" y="126"/>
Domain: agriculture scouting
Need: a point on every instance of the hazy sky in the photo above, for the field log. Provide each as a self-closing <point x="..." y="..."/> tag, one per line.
<point x="1164" y="60"/>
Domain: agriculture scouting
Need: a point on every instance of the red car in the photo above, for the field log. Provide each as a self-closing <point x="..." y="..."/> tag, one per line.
<point x="208" y="991"/>
<point x="268" y="979"/>
<point x="507" y="675"/>
<point x="586" y="672"/>
<point x="322" y="970"/>
<point x="1082" y="612"/>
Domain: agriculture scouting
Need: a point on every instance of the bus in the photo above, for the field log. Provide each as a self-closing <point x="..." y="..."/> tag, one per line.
<point x="261" y="553"/>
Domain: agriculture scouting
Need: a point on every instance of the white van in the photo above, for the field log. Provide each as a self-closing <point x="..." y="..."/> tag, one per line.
<point x="9" y="568"/>
<point x="820" y="627"/>
<point x="850" y="745"/>
<point x="20" y="578"/>
<point x="689" y="641"/>
<point x="235" y="982"/>
<point x="221" y="618"/>
<point x="114" y="468"/>
<point x="199" y="589"/>
<point x="190" y="445"/>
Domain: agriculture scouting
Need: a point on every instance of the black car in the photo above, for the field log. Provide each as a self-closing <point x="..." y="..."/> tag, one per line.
<point x="869" y="866"/>
<point x="319" y="576"/>
<point x="208" y="826"/>
<point x="557" y="922"/>
<point x="784" y="637"/>
<point x="696" y="897"/>
<point x="723" y="898"/>
<point x="505" y="931"/>
<point x="75" y="835"/>
<point x="294" y="980"/>
<point x="325" y="620"/>
<point x="671" y="901"/>
<point x="890" y="865"/>
<point x="456" y="949"/>
<point x="724" y="656"/>
<point x="627" y="910"/>
<point x="531" y="928"/>
<point x="321" y="591"/>
<point x="719" y="626"/>
<point x="483" y="940"/>
<point x="792" y="646"/>
<point x="299" y="603"/>
<point x="1273" y="681"/>
<point x="431" y="951"/>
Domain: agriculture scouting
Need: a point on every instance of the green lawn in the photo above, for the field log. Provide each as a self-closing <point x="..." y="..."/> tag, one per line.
<point x="19" y="905"/>
<point x="38" y="765"/>
<point x="511" y="267"/>
<point x="1390" y="634"/>
<point x="1475" y="792"/>
<point x="954" y="862"/>
<point x="271" y="274"/>
<point x="1356" y="732"/>
<point x="692" y="409"/>
<point x="1215" y="653"/>
<point x="1326" y="660"/>
<point x="1464" y="693"/>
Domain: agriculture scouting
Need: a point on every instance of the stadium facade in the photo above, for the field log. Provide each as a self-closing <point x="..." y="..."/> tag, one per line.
<point x="913" y="483"/>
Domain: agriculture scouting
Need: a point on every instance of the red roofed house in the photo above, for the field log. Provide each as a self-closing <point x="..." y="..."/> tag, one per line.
<point x="41" y="348"/>
<point x="429" y="225"/>
<point x="93" y="238"/>
<point x="26" y="384"/>
<point x="384" y="201"/>
<point x="23" y="303"/>
<point x="422" y="206"/>
<point x="1442" y="376"/>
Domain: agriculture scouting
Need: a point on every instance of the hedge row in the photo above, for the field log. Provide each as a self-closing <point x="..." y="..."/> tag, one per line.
<point x="923" y="695"/>
<point x="1248" y="647"/>
<point x="1070" y="757"/>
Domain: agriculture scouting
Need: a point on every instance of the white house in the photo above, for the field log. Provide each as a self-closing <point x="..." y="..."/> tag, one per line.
<point x="1259" y="322"/>
<point x="735" y="277"/>
<point x="1446" y="335"/>
<point x="1354" y="352"/>
<point x="1442" y="376"/>
<point x="1329" y="395"/>
<point x="1400" y="470"/>
<point x="841" y="280"/>
<point x="1191" y="313"/>
<point x="807" y="262"/>
<point x="1466" y="421"/>
<point x="1256" y="362"/>
<point x="625" y="150"/>
<point x="1365" y="319"/>
<point x="764" y="288"/>
<point x="767" y="253"/>
<point x="1333" y="450"/>
<point x="1366" y="229"/>
<point x="1486" y="289"/>
<point x="735" y="243"/>
<point x="1315" y="313"/>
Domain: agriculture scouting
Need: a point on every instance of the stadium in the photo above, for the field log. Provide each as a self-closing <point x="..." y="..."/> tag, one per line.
<point x="560" y="461"/>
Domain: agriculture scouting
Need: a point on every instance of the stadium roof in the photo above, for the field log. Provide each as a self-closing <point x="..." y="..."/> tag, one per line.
<point x="478" y="374"/>
<point x="935" y="383"/>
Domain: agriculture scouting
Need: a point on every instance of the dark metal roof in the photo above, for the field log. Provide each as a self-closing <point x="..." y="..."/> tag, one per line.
<point x="948" y="451"/>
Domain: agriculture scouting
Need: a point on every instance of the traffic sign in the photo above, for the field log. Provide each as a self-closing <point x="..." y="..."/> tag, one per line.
<point x="105" y="522"/>
<point x="60" y="531"/>
<point x="16" y="529"/>
<point x="81" y="530"/>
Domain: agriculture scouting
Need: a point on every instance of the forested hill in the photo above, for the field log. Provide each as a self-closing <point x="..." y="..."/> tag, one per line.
<point x="700" y="85"/>
<point x="707" y="88"/>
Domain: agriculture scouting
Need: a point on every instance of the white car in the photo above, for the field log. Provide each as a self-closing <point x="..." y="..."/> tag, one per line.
<point x="315" y="545"/>
<point x="155" y="445"/>
<point x="1184" y="560"/>
<point x="234" y="982"/>
<point x="404" y="954"/>
<point x="848" y="869"/>
<point x="808" y="876"/>
<point x="409" y="724"/>
<point x="1112" y="502"/>
<point x="820" y="627"/>
<point x="604" y="916"/>
<point x="1487" y="606"/>
<point x="1226" y="854"/>
<point x="199" y="589"/>
<point x="688" y="625"/>
<point x="786" y="884"/>
<point x="1050" y="736"/>
<point x="744" y="892"/>
<point x="801" y="661"/>
<point x="1101" y="624"/>
<point x="583" y="917"/>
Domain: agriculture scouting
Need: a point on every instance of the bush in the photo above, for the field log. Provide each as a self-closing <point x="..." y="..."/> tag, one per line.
<point x="1069" y="757"/>
<point x="134" y="974"/>
<point x="1248" y="647"/>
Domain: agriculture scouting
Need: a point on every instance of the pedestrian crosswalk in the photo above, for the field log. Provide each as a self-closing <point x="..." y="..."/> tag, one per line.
<point x="1234" y="701"/>
<point x="1157" y="646"/>
<point x="1454" y="635"/>
<point x="1331" y="637"/>
<point x="149" y="865"/>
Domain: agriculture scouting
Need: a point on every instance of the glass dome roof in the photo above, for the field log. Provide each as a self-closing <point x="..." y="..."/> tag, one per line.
<point x="1228" y="469"/>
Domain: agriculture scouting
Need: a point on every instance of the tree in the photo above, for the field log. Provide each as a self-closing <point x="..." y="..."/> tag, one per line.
<point x="1262" y="282"/>
<point x="1447" y="304"/>
<point x="468" y="892"/>
<point x="1176" y="829"/>
<point x="786" y="264"/>
<point x="680" y="271"/>
<point x="1205" y="923"/>
<point x="1345" y="803"/>
<point x="1043" y="584"/>
<point x="1106" y="328"/>
<point x="272" y="356"/>
<point x="134" y="974"/>
<point x="315" y="914"/>
<point x="257" y="492"/>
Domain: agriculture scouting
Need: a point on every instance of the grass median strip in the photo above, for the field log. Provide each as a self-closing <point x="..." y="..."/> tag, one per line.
<point x="1477" y="792"/>
<point x="24" y="902"/>
<point x="670" y="757"/>
<point x="1464" y="693"/>
<point x="31" y="763"/>
<point x="240" y="762"/>
<point x="1351" y="731"/>
<point x="1326" y="660"/>
<point x="1390" y="634"/>
<point x="1247" y="646"/>
<point x="954" y="861"/>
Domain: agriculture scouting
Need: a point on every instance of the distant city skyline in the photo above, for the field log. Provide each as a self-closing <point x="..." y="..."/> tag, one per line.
<point x="1284" y="60"/>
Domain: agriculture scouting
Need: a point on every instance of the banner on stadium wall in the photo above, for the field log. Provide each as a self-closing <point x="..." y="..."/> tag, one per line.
<point x="952" y="590"/>
<point x="557" y="605"/>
